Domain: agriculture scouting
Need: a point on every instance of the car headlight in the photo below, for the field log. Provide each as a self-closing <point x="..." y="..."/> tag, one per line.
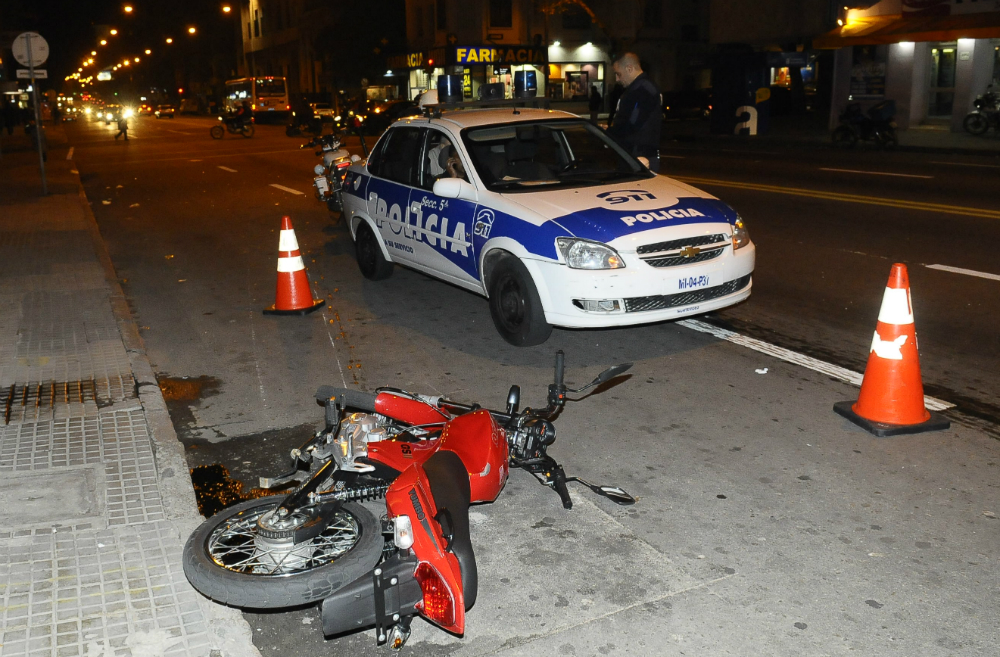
<point x="584" y="254"/>
<point x="109" y="116"/>
<point x="741" y="237"/>
<point x="127" y="113"/>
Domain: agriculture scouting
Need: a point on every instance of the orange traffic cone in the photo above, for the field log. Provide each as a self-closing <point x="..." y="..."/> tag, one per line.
<point x="892" y="395"/>
<point x="294" y="296"/>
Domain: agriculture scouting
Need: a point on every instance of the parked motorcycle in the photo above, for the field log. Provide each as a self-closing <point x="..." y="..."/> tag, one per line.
<point x="876" y="125"/>
<point x="234" y="126"/>
<point x="329" y="180"/>
<point x="986" y="115"/>
<point x="429" y="458"/>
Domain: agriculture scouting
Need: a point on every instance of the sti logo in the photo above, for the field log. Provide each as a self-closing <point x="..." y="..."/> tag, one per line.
<point x="626" y="195"/>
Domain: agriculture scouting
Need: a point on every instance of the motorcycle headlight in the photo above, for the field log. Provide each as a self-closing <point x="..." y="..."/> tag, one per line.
<point x="584" y="254"/>
<point x="109" y="116"/>
<point x="741" y="237"/>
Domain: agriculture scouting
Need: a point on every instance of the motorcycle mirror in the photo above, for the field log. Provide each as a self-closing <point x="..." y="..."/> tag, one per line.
<point x="613" y="493"/>
<point x="606" y="376"/>
<point x="513" y="399"/>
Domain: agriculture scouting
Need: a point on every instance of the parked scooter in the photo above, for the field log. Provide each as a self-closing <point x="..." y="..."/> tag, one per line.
<point x="876" y="125"/>
<point x="329" y="180"/>
<point x="430" y="458"/>
<point x="986" y="115"/>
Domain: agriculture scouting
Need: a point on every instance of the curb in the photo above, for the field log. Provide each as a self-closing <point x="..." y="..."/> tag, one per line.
<point x="229" y="628"/>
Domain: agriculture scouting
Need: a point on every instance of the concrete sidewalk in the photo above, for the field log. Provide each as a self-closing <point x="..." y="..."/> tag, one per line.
<point x="95" y="495"/>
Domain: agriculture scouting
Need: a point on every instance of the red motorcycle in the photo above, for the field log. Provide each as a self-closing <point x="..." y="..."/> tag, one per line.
<point x="429" y="458"/>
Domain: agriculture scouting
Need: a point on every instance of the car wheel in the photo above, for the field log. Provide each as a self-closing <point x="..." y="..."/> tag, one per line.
<point x="515" y="306"/>
<point x="371" y="262"/>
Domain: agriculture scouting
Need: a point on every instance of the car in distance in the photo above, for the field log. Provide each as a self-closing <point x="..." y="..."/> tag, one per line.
<point x="164" y="111"/>
<point x="111" y="112"/>
<point x="546" y="216"/>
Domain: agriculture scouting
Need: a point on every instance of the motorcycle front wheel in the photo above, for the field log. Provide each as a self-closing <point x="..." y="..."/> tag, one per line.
<point x="217" y="132"/>
<point x="976" y="124"/>
<point x="228" y="560"/>
<point x="247" y="130"/>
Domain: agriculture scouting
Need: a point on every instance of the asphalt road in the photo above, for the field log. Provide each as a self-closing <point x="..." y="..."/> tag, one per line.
<point x="192" y="227"/>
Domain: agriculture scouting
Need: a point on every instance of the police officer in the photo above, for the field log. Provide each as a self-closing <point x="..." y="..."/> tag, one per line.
<point x="639" y="113"/>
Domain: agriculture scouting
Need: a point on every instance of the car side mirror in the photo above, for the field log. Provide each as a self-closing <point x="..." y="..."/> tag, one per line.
<point x="455" y="188"/>
<point x="643" y="161"/>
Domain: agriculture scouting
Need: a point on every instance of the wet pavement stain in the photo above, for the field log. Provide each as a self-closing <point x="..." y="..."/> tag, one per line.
<point x="184" y="394"/>
<point x="215" y="490"/>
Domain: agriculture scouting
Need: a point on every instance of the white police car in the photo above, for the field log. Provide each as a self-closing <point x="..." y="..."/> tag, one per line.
<point x="546" y="216"/>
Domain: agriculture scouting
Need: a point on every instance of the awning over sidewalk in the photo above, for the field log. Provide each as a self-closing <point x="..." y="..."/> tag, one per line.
<point x="896" y="28"/>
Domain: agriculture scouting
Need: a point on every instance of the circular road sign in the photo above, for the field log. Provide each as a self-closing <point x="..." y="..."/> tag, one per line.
<point x="39" y="49"/>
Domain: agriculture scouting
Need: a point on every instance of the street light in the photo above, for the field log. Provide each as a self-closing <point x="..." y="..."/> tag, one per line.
<point x="136" y="60"/>
<point x="169" y="40"/>
<point x="94" y="53"/>
<point x="226" y="9"/>
<point x="148" y="51"/>
<point x="191" y="30"/>
<point x="114" y="32"/>
<point x="104" y="42"/>
<point x="128" y="9"/>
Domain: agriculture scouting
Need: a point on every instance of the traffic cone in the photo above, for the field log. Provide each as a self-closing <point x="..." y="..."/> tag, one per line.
<point x="293" y="296"/>
<point x="892" y="395"/>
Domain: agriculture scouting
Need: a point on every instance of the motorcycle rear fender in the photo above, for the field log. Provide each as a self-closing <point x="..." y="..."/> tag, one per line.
<point x="355" y="607"/>
<point x="411" y="495"/>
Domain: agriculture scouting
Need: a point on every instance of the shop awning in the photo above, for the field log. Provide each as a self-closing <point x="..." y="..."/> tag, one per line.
<point x="895" y="28"/>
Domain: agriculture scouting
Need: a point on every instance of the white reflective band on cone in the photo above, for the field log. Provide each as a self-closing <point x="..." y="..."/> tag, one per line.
<point x="896" y="308"/>
<point x="288" y="265"/>
<point x="889" y="350"/>
<point x="287" y="241"/>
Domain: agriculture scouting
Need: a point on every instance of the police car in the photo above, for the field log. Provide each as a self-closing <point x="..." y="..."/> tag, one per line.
<point x="546" y="216"/>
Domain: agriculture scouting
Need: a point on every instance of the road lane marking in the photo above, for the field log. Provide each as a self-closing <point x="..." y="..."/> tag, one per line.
<point x="967" y="272"/>
<point x="287" y="189"/>
<point x="847" y="198"/>
<point x="69" y="156"/>
<point x="194" y="160"/>
<point x="227" y="169"/>
<point x="229" y="154"/>
<point x="875" y="173"/>
<point x="967" y="164"/>
<point x="673" y="157"/>
<point x="794" y="357"/>
<point x="179" y="132"/>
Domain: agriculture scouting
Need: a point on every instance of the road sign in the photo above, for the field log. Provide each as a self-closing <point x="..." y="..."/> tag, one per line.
<point x="39" y="49"/>
<point x="25" y="74"/>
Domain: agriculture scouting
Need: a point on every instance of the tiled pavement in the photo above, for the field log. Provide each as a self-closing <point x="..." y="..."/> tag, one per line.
<point x="92" y="515"/>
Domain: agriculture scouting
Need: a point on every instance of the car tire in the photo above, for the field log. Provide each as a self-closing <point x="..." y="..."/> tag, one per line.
<point x="373" y="264"/>
<point x="515" y="306"/>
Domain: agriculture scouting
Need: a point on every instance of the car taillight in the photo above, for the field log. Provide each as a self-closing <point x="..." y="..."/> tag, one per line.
<point x="438" y="604"/>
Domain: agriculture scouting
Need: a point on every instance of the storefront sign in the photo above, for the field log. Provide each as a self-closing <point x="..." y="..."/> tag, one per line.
<point x="497" y="55"/>
<point x="409" y="60"/>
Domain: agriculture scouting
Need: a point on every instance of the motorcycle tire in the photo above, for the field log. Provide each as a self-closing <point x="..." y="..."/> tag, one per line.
<point x="217" y="132"/>
<point x="229" y="534"/>
<point x="976" y="124"/>
<point x="515" y="306"/>
<point x="844" y="137"/>
<point x="335" y="203"/>
<point x="247" y="130"/>
<point x="889" y="139"/>
<point x="373" y="264"/>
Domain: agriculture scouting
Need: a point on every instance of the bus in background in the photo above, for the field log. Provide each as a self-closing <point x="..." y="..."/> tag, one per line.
<point x="268" y="96"/>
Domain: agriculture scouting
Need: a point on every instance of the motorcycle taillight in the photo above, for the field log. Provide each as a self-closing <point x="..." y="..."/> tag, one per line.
<point x="438" y="604"/>
<point x="343" y="165"/>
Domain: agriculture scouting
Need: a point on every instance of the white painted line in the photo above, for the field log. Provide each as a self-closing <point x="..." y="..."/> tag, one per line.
<point x="287" y="189"/>
<point x="967" y="164"/>
<point x="69" y="156"/>
<point x="227" y="169"/>
<point x="967" y="272"/>
<point x="194" y="160"/>
<point x="876" y="173"/>
<point x="673" y="157"/>
<point x="179" y="132"/>
<point x="789" y="356"/>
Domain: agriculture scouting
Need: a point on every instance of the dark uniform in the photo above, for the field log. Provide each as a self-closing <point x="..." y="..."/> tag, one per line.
<point x="638" y="119"/>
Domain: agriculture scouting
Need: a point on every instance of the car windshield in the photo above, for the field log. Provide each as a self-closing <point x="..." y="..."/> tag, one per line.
<point x="530" y="156"/>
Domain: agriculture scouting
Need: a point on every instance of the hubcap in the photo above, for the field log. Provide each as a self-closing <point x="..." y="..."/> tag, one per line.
<point x="511" y="303"/>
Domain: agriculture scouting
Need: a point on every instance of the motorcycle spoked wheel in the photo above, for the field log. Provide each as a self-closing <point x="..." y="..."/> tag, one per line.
<point x="247" y="130"/>
<point x="976" y="124"/>
<point x="844" y="137"/>
<point x="217" y="132"/>
<point x="226" y="559"/>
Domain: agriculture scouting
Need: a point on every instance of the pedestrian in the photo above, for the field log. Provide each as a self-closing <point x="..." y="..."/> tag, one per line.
<point x="55" y="115"/>
<point x="595" y="103"/>
<point x="122" y="126"/>
<point x="10" y="116"/>
<point x="613" y="97"/>
<point x="640" y="115"/>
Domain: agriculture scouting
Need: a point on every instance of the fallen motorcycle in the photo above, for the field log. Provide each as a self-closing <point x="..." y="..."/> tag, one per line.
<point x="429" y="458"/>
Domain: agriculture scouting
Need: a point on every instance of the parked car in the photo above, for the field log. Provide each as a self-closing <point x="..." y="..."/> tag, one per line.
<point x="164" y="112"/>
<point x="324" y="111"/>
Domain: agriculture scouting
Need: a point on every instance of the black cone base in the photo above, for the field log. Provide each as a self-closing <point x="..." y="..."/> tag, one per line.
<point x="937" y="422"/>
<point x="317" y="304"/>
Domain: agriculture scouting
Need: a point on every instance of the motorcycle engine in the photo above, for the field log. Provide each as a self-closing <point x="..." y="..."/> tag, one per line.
<point x="356" y="431"/>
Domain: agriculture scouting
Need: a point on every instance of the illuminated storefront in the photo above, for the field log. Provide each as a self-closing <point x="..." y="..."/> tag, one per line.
<point x="477" y="64"/>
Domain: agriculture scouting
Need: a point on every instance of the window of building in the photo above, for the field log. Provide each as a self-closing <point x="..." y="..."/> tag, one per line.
<point x="652" y="14"/>
<point x="575" y="18"/>
<point x="442" y="14"/>
<point x="501" y="13"/>
<point x="256" y="22"/>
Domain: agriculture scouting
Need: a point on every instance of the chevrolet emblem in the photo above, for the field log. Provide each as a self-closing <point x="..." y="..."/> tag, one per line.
<point x="690" y="251"/>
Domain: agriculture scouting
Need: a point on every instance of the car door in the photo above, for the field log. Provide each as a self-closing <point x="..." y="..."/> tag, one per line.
<point x="441" y="228"/>
<point x="397" y="171"/>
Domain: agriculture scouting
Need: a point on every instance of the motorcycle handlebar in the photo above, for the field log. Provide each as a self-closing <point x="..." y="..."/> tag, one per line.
<point x="363" y="401"/>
